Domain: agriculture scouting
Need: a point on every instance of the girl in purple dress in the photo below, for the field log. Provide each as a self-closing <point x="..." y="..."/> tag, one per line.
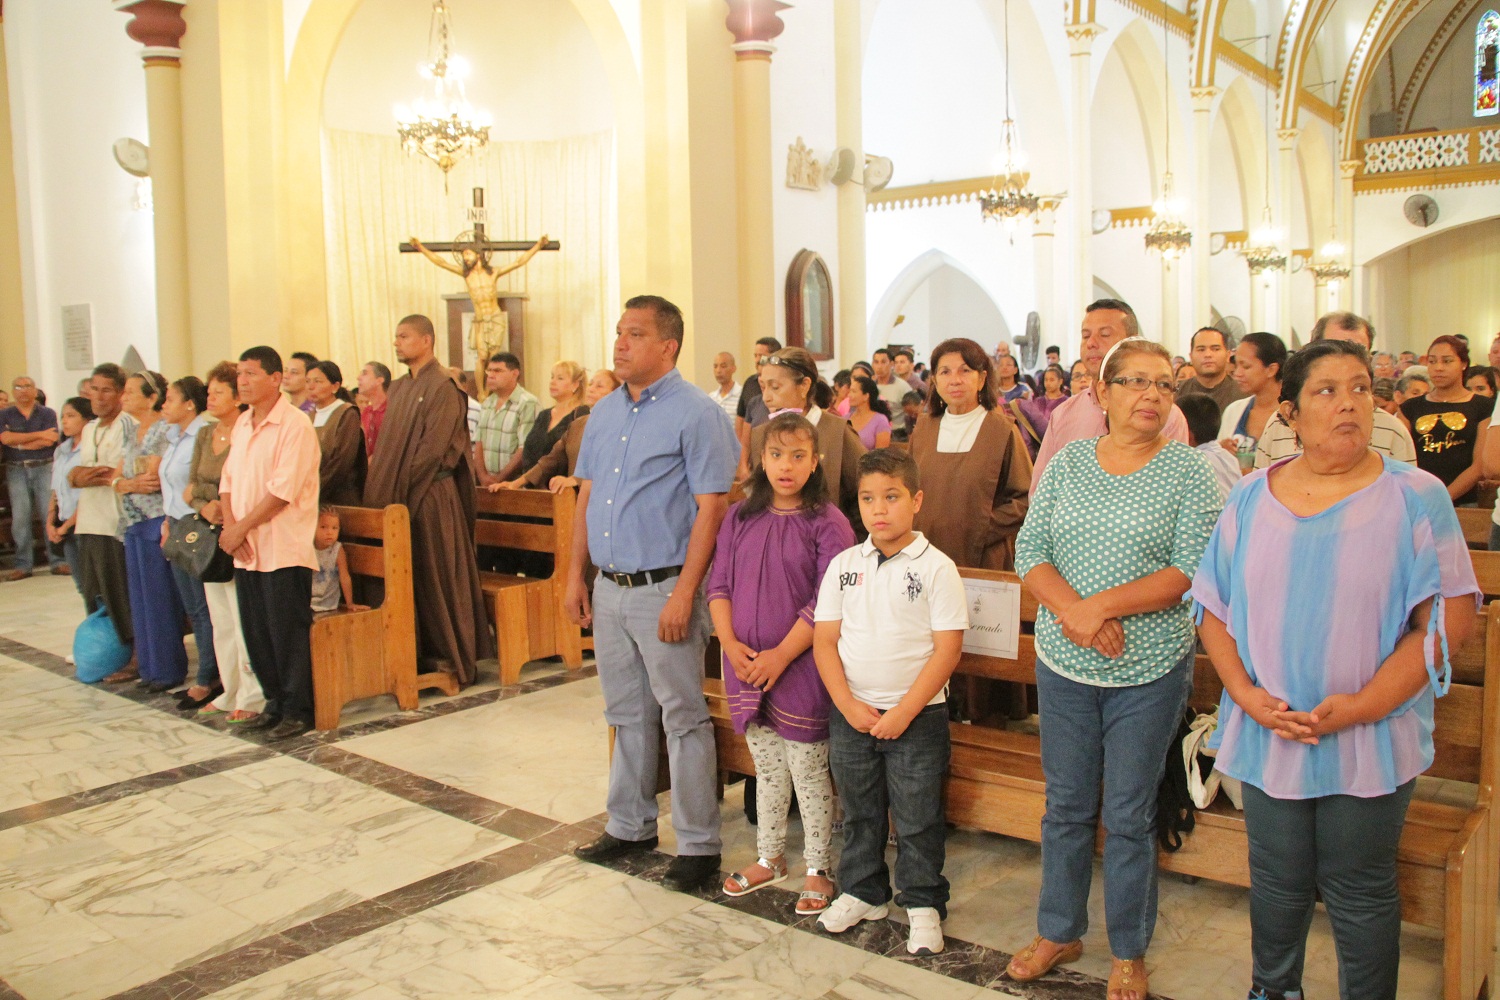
<point x="773" y="549"/>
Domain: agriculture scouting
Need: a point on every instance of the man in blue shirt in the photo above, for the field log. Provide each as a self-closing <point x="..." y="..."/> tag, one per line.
<point x="655" y="465"/>
<point x="28" y="435"/>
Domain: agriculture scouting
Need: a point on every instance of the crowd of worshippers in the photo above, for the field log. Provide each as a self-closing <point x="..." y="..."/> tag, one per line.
<point x="1149" y="503"/>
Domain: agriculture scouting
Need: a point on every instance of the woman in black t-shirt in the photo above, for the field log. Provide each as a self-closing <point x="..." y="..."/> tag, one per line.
<point x="1448" y="424"/>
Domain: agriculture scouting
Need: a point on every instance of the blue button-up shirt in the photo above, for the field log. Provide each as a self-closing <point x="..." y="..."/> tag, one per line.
<point x="177" y="466"/>
<point x="647" y="459"/>
<point x="42" y="419"/>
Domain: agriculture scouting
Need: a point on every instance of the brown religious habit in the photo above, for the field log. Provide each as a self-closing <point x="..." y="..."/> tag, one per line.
<point x="421" y="460"/>
<point x="974" y="501"/>
<point x="839" y="449"/>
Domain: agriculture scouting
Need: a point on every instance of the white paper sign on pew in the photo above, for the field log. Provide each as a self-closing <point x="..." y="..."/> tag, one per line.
<point x="994" y="618"/>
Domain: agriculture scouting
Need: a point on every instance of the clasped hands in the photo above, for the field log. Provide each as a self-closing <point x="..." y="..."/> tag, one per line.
<point x="760" y="669"/>
<point x="1088" y="624"/>
<point x="1337" y="711"/>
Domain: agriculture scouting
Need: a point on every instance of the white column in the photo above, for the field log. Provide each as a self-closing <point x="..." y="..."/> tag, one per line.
<point x="1348" y="170"/>
<point x="1203" y="105"/>
<point x="1259" y="288"/>
<point x="1081" y="180"/>
<point x="851" y="316"/>
<point x="1174" y="336"/>
<point x="1044" y="228"/>
<point x="1286" y="171"/>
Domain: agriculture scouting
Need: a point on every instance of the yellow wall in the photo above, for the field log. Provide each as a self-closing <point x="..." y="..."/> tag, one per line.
<point x="12" y="317"/>
<point x="1444" y="284"/>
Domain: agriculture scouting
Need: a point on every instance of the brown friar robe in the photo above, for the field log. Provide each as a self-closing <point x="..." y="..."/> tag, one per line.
<point x="994" y="475"/>
<point x="839" y="449"/>
<point x="341" y="471"/>
<point x="421" y="460"/>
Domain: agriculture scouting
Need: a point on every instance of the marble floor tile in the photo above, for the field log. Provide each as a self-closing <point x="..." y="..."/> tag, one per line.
<point x="884" y="979"/>
<point x="546" y="938"/>
<point x="797" y="964"/>
<point x="99" y="971"/>
<point x="315" y="977"/>
<point x="478" y="971"/>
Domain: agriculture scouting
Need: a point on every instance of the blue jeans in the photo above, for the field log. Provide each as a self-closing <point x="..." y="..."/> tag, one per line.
<point x="195" y="603"/>
<point x="902" y="778"/>
<point x="1343" y="848"/>
<point x="155" y="609"/>
<point x="30" y="488"/>
<point x="1104" y="746"/>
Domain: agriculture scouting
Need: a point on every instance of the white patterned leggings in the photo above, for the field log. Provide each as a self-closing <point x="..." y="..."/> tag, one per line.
<point x="781" y="764"/>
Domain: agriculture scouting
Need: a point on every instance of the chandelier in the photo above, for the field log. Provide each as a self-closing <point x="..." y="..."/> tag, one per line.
<point x="1169" y="235"/>
<point x="442" y="127"/>
<point x="1262" y="251"/>
<point x="1008" y="199"/>
<point x="1330" y="266"/>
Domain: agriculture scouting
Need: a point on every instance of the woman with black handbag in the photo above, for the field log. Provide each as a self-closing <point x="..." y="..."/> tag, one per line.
<point x="186" y="399"/>
<point x="242" y="698"/>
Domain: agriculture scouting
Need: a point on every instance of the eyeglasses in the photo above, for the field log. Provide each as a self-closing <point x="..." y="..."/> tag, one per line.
<point x="1137" y="384"/>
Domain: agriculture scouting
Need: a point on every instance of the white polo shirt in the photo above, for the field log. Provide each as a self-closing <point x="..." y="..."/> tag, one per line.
<point x="889" y="609"/>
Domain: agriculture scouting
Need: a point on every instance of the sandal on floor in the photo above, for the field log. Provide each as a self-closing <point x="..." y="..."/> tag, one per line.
<point x="1127" y="979"/>
<point x="243" y="719"/>
<point x="1029" y="969"/>
<point x="208" y="710"/>
<point x="811" y="900"/>
<point x="740" y="884"/>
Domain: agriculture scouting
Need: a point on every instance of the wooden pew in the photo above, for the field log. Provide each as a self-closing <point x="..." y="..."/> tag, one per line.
<point x="360" y="654"/>
<point x="1487" y="572"/>
<point x="529" y="619"/>
<point x="1476" y="524"/>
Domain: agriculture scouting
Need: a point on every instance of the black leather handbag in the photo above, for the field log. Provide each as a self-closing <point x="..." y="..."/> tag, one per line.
<point x="193" y="547"/>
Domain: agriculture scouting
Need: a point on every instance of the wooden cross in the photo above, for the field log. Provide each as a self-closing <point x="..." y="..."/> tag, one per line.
<point x="481" y="242"/>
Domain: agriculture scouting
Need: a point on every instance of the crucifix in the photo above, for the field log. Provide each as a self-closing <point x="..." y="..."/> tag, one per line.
<point x="472" y="251"/>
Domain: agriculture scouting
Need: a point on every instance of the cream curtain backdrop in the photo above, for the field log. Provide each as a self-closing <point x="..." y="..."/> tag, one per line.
<point x="377" y="197"/>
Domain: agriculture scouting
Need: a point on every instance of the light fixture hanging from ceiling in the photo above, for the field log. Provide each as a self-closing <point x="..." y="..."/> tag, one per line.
<point x="1262" y="250"/>
<point x="1009" y="200"/>
<point x="443" y="127"/>
<point x="1330" y="266"/>
<point x="1169" y="235"/>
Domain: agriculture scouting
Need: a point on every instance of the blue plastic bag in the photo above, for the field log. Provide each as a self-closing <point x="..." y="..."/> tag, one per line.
<point x="97" y="649"/>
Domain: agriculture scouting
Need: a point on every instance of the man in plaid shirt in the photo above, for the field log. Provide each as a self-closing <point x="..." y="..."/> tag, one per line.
<point x="505" y="418"/>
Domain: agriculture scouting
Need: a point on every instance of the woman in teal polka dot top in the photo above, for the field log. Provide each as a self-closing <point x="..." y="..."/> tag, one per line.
<point x="1109" y="547"/>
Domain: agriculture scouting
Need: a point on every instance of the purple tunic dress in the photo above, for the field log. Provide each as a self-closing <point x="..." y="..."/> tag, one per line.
<point x="769" y="567"/>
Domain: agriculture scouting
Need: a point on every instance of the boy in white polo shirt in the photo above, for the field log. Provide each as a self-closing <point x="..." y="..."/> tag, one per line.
<point x="890" y="625"/>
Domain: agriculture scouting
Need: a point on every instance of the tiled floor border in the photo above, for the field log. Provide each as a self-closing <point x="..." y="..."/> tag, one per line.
<point x="541" y="839"/>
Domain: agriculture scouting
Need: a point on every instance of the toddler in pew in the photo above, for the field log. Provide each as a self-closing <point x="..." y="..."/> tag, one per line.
<point x="331" y="581"/>
<point x="891" y="619"/>
<point x="772" y="551"/>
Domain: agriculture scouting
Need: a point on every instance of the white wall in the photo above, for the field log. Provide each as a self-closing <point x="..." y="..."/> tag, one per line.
<point x="1442" y="284"/>
<point x="77" y="85"/>
<point x="1447" y="101"/>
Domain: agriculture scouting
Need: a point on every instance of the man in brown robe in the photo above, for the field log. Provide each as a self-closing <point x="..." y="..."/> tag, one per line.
<point x="421" y="460"/>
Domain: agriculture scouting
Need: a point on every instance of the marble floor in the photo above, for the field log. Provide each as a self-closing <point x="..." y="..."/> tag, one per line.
<point x="408" y="856"/>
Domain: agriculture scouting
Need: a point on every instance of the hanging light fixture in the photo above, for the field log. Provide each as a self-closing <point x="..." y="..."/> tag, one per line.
<point x="1169" y="235"/>
<point x="1009" y="200"/>
<point x="1329" y="265"/>
<point x="1262" y="250"/>
<point x="443" y="127"/>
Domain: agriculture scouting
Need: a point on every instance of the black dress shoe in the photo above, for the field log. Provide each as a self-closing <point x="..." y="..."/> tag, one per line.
<point x="264" y="720"/>
<point x="288" y="728"/>
<point x="608" y="847"/>
<point x="184" y="703"/>
<point x="158" y="687"/>
<point x="689" y="871"/>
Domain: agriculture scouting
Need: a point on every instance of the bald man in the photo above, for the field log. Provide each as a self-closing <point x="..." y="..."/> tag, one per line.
<point x="727" y="392"/>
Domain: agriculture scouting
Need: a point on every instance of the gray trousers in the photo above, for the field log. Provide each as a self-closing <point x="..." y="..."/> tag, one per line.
<point x="651" y="686"/>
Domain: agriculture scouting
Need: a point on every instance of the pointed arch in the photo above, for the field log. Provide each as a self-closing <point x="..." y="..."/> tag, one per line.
<point x="909" y="280"/>
<point x="1205" y="34"/>
<point x="1385" y="23"/>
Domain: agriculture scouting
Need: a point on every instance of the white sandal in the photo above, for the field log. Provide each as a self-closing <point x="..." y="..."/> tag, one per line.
<point x="743" y="885"/>
<point x="825" y="899"/>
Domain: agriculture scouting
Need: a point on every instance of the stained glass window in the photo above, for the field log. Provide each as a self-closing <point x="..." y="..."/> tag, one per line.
<point x="1486" y="46"/>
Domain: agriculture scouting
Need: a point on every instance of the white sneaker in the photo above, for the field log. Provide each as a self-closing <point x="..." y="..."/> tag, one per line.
<point x="847" y="911"/>
<point x="926" y="937"/>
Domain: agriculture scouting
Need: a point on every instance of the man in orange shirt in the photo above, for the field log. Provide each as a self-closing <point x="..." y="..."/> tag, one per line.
<point x="269" y="498"/>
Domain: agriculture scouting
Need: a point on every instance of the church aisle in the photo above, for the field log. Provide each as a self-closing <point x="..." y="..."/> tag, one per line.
<point x="426" y="855"/>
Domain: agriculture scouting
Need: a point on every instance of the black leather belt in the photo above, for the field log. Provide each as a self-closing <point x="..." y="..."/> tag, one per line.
<point x="644" y="578"/>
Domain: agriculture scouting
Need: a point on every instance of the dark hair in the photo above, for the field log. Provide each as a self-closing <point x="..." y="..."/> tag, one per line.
<point x="1132" y="325"/>
<point x="913" y="397"/>
<point x="80" y="406"/>
<point x="1482" y="371"/>
<point x="329" y="510"/>
<point x="334" y="374"/>
<point x="669" y="323"/>
<point x="1269" y="350"/>
<point x="505" y="358"/>
<point x="224" y="372"/>
<point x="1299" y="365"/>
<point x="906" y="351"/>
<point x="1062" y="377"/>
<point x="419" y="323"/>
<point x="891" y="462"/>
<point x="758" y="491"/>
<point x="881" y="350"/>
<point x="1013" y="360"/>
<point x="266" y="357"/>
<point x="843" y="377"/>
<point x="1459" y="347"/>
<point x="1073" y="368"/>
<point x="1344" y="321"/>
<point x="1202" y="415"/>
<point x="153" y="387"/>
<point x="869" y="388"/>
<point x="111" y="371"/>
<point x="193" y="391"/>
<point x="800" y="363"/>
<point x="976" y="358"/>
<point x="307" y="358"/>
<point x="771" y="342"/>
<point x="1228" y="340"/>
<point x="862" y="364"/>
<point x="1052" y="349"/>
<point x="381" y="372"/>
